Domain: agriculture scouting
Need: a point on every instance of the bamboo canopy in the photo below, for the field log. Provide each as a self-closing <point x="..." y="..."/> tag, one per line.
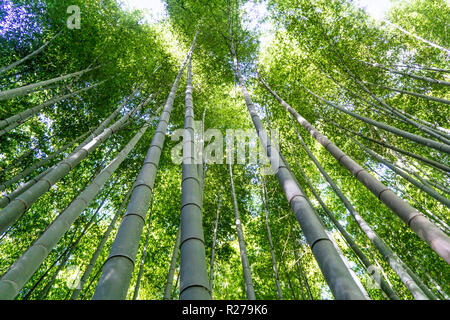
<point x="231" y="150"/>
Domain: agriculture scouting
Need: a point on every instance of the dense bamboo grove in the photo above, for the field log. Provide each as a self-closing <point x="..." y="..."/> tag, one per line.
<point x="121" y="177"/>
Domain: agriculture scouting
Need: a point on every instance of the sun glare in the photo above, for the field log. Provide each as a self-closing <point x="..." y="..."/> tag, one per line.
<point x="154" y="9"/>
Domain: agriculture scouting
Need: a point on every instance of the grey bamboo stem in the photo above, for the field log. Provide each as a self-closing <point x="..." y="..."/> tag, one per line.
<point x="426" y="230"/>
<point x="420" y="67"/>
<point x="301" y="271"/>
<point x="249" y="289"/>
<point x="202" y="165"/>
<point x="32" y="54"/>
<point x="175" y="287"/>
<point x="105" y="123"/>
<point x="333" y="268"/>
<point x="173" y="264"/>
<point x="364" y="259"/>
<point x="22" y="270"/>
<point x="389" y="110"/>
<point x="269" y="237"/>
<point x="16" y="120"/>
<point x="71" y="247"/>
<point x="291" y="287"/>
<point x="428" y="42"/>
<point x="194" y="284"/>
<point x="23" y="202"/>
<point x="10" y="197"/>
<point x="440" y="146"/>
<point x="144" y="253"/>
<point x="213" y="246"/>
<point x="39" y="164"/>
<point x="415" y="94"/>
<point x="404" y="175"/>
<point x="12" y="93"/>
<point x="445" y="228"/>
<point x="397" y="265"/>
<point x="395" y="111"/>
<point x="407" y="74"/>
<point x="430" y="162"/>
<point x="99" y="249"/>
<point x="118" y="268"/>
<point x="355" y="277"/>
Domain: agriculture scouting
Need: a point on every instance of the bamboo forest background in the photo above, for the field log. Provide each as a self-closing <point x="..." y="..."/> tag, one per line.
<point x="110" y="206"/>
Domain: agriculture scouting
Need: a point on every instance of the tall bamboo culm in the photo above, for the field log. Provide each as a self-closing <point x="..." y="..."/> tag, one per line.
<point x="98" y="251"/>
<point x="333" y="268"/>
<point x="249" y="289"/>
<point x="173" y="264"/>
<point x="194" y="281"/>
<point x="415" y="220"/>
<point x="22" y="270"/>
<point x="118" y="268"/>
<point x="19" y="205"/>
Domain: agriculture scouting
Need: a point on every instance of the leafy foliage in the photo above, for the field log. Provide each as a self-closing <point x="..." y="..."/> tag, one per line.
<point x="321" y="45"/>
